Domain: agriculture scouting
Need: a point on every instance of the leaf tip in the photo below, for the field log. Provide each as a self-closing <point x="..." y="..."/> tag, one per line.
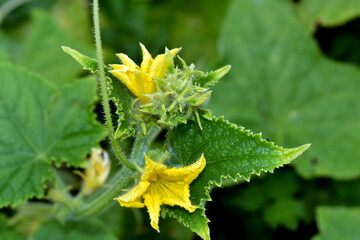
<point x="296" y="152"/>
<point x="66" y="49"/>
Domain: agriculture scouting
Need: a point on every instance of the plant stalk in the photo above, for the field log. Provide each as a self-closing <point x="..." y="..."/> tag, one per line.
<point x="103" y="85"/>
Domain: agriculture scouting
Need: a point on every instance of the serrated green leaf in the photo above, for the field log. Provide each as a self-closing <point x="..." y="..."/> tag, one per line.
<point x="123" y="100"/>
<point x="196" y="221"/>
<point x="230" y="152"/>
<point x="281" y="85"/>
<point x="84" y="229"/>
<point x="329" y="13"/>
<point x="41" y="50"/>
<point x="40" y="125"/>
<point x="7" y="232"/>
<point x="338" y="223"/>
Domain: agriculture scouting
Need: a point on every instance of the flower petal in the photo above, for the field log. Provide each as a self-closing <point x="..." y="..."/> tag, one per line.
<point x="188" y="173"/>
<point x="146" y="85"/>
<point x="152" y="168"/>
<point x="128" y="79"/>
<point x="138" y="82"/>
<point x="158" y="67"/>
<point x="127" y="61"/>
<point x="160" y="64"/>
<point x="133" y="197"/>
<point x="119" y="67"/>
<point x="173" y="193"/>
<point x="147" y="59"/>
<point x="174" y="51"/>
<point x="153" y="203"/>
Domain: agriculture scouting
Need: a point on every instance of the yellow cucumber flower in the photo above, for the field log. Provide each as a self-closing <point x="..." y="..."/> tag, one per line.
<point x="161" y="185"/>
<point x="97" y="171"/>
<point x="140" y="79"/>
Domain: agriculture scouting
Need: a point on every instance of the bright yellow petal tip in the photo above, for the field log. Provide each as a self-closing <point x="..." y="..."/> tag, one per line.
<point x="139" y="80"/>
<point x="147" y="59"/>
<point x="161" y="185"/>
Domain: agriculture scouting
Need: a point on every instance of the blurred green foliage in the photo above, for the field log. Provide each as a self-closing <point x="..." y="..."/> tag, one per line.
<point x="283" y="82"/>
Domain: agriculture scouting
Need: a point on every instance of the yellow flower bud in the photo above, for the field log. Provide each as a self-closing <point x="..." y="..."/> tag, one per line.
<point x="97" y="171"/>
<point x="139" y="80"/>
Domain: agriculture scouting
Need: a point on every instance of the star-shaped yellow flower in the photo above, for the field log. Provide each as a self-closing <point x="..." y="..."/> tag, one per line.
<point x="161" y="185"/>
<point x="140" y="79"/>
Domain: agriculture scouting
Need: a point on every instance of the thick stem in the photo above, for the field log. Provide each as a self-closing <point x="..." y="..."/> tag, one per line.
<point x="141" y="145"/>
<point x="103" y="85"/>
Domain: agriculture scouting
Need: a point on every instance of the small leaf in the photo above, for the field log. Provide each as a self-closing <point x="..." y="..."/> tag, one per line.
<point x="84" y="229"/>
<point x="211" y="78"/>
<point x="88" y="63"/>
<point x="338" y="223"/>
<point x="40" y="125"/>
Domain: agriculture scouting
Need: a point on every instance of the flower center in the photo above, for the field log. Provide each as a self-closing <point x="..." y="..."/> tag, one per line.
<point x="153" y="178"/>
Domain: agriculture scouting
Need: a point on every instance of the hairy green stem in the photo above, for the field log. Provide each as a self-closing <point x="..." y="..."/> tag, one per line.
<point x="103" y="85"/>
<point x="125" y="176"/>
<point x="141" y="145"/>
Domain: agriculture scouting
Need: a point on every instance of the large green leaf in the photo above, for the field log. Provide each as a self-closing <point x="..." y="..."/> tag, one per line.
<point x="40" y="125"/>
<point x="73" y="229"/>
<point x="338" y="223"/>
<point x="230" y="152"/>
<point x="41" y="50"/>
<point x="281" y="85"/>
<point x="328" y="13"/>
